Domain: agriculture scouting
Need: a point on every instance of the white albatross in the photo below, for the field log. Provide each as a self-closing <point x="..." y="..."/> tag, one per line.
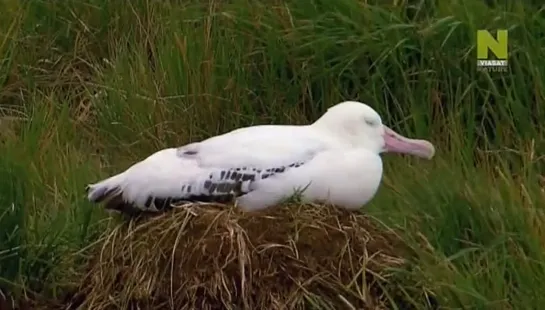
<point x="336" y="160"/>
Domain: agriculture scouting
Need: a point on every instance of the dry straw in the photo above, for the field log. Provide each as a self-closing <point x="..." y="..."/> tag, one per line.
<point x="217" y="257"/>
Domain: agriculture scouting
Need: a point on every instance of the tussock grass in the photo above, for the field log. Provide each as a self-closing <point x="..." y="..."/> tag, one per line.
<point x="88" y="88"/>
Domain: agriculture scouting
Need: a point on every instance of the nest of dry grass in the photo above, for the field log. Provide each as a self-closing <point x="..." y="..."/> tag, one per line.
<point x="209" y="257"/>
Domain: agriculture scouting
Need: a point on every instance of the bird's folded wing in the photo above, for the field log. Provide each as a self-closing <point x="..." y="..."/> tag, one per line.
<point x="217" y="167"/>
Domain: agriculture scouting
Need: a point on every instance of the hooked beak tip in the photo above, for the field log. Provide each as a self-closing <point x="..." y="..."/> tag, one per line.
<point x="431" y="148"/>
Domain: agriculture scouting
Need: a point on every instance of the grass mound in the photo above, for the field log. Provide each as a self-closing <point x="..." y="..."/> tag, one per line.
<point x="211" y="257"/>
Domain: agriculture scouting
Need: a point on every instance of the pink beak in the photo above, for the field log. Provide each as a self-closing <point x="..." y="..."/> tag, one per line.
<point x="396" y="143"/>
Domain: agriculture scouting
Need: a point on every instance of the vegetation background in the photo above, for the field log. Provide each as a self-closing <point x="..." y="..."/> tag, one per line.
<point x="89" y="87"/>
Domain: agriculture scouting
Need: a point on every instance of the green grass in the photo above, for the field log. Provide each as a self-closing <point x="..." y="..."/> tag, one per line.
<point x="87" y="88"/>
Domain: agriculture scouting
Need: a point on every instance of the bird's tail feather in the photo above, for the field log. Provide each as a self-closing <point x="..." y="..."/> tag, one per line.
<point x="105" y="189"/>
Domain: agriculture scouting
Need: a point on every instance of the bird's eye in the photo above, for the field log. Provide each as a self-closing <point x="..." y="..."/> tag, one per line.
<point x="370" y="122"/>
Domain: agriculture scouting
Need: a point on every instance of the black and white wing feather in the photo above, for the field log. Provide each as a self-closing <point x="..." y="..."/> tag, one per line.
<point x="216" y="169"/>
